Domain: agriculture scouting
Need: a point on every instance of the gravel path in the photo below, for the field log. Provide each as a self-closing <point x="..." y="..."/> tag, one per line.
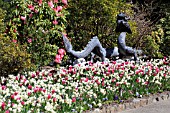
<point x="157" y="107"/>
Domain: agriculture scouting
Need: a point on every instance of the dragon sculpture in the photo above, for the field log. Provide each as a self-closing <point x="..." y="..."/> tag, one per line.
<point x="95" y="46"/>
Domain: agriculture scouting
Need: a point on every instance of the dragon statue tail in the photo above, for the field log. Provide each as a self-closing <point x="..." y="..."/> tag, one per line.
<point x="93" y="44"/>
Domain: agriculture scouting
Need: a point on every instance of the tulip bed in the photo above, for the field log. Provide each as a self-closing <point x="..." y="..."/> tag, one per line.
<point x="83" y="86"/>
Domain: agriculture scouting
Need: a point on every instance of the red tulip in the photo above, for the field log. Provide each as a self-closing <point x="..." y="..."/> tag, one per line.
<point x="54" y="99"/>
<point x="3" y="105"/>
<point x="49" y="96"/>
<point x="73" y="99"/>
<point x="22" y="102"/>
<point x="3" y="87"/>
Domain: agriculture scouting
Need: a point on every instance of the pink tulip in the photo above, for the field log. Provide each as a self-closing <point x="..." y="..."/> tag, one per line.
<point x="53" y="91"/>
<point x="29" y="93"/>
<point x="73" y="99"/>
<point x="22" y="102"/>
<point x="30" y="15"/>
<point x="49" y="96"/>
<point x="3" y="87"/>
<point x="51" y="4"/>
<point x="23" y="18"/>
<point x="7" y="111"/>
<point x="64" y="2"/>
<point x="3" y="105"/>
<point x="54" y="99"/>
<point x="55" y="22"/>
<point x="29" y="87"/>
<point x="61" y="51"/>
<point x="63" y="82"/>
<point x="12" y="96"/>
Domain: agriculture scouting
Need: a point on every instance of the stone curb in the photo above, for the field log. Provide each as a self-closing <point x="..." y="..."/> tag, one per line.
<point x="134" y="103"/>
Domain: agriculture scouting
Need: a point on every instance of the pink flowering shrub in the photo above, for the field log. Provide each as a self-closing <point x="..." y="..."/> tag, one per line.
<point x="36" y="23"/>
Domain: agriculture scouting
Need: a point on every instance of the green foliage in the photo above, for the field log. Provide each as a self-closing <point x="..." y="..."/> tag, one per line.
<point x="13" y="57"/>
<point x="36" y="25"/>
<point x="2" y="26"/>
<point x="96" y="17"/>
<point x="165" y="25"/>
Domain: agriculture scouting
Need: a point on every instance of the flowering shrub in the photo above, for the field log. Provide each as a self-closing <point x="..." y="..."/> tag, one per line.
<point x="36" y="23"/>
<point x="82" y="87"/>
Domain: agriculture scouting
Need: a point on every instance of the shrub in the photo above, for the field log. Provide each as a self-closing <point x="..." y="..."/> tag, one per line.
<point x="13" y="57"/>
<point x="35" y="23"/>
<point x="96" y="17"/>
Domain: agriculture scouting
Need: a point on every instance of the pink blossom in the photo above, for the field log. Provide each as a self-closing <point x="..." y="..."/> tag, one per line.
<point x="58" y="58"/>
<point x="7" y="111"/>
<point x="55" y="1"/>
<point x="40" y="2"/>
<point x="61" y="51"/>
<point x="15" y="41"/>
<point x="31" y="7"/>
<point x="55" y="22"/>
<point x="59" y="8"/>
<point x="36" y="11"/>
<point x="29" y="40"/>
<point x="23" y="18"/>
<point x="51" y="4"/>
<point x="30" y="15"/>
<point x="64" y="2"/>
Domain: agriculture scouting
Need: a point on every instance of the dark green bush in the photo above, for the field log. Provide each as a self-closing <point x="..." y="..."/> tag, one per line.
<point x="13" y="57"/>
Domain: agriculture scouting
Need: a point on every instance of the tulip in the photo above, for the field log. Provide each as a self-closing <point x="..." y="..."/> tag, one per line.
<point x="73" y="99"/>
<point x="49" y="96"/>
<point x="3" y="105"/>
